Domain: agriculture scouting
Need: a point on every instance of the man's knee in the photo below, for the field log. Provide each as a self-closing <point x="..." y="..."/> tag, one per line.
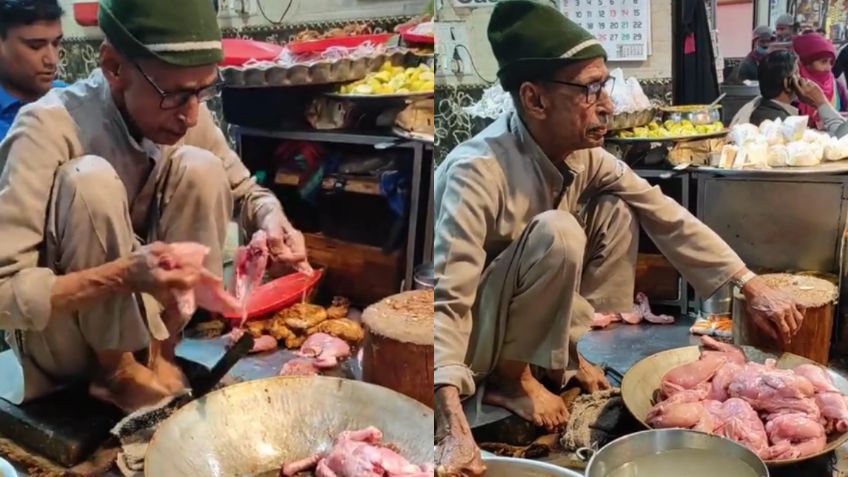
<point x="561" y="232"/>
<point x="199" y="172"/>
<point x="95" y="181"/>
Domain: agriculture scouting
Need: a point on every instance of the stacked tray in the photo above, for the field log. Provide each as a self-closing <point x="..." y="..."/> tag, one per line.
<point x="340" y="70"/>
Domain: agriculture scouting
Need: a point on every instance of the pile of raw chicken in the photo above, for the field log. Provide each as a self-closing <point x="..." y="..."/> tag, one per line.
<point x="779" y="414"/>
<point x="358" y="454"/>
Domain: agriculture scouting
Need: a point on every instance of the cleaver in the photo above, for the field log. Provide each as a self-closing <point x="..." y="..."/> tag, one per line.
<point x="204" y="383"/>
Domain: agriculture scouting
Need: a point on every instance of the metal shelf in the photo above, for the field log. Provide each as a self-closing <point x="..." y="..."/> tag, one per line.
<point x="367" y="138"/>
<point x="381" y="139"/>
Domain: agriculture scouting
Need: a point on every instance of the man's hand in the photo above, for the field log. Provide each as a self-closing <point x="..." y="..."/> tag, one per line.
<point x="590" y="378"/>
<point x="286" y="244"/>
<point x="809" y="92"/>
<point x="457" y="455"/>
<point x="774" y="312"/>
<point x="152" y="270"/>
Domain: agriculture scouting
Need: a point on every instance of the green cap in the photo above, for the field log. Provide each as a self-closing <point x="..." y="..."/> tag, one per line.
<point x="526" y="34"/>
<point x="177" y="32"/>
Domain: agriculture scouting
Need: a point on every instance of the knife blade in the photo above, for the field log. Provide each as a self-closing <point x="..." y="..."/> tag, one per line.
<point x="239" y="350"/>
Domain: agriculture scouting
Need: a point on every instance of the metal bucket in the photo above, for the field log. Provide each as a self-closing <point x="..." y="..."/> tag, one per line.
<point x="512" y="467"/>
<point x="641" y="444"/>
<point x="424" y="276"/>
<point x="718" y="304"/>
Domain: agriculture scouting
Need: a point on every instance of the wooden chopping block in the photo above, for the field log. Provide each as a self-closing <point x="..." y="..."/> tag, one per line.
<point x="398" y="349"/>
<point x="816" y="297"/>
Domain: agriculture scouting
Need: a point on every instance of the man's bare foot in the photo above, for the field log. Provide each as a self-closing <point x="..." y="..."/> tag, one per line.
<point x="528" y="398"/>
<point x="130" y="386"/>
<point x="162" y="362"/>
<point x="170" y="375"/>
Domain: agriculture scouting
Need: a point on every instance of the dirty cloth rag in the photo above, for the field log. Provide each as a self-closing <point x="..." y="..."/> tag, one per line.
<point x="135" y="431"/>
<point x="594" y="418"/>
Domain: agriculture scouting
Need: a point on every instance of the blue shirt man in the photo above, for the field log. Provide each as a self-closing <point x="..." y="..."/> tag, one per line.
<point x="9" y="107"/>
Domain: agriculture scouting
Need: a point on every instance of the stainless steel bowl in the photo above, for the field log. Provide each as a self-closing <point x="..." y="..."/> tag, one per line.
<point x="696" y="114"/>
<point x="630" y="447"/>
<point x="511" y="467"/>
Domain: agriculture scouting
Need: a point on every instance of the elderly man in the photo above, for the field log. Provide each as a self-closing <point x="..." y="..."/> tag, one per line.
<point x="30" y="37"/>
<point x="536" y="230"/>
<point x="98" y="179"/>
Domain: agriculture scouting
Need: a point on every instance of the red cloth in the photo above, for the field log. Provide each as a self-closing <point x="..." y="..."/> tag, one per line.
<point x="689" y="44"/>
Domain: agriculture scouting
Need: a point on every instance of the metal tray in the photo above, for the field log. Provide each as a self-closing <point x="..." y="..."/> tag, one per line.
<point x="378" y="97"/>
<point x="639" y="140"/>
<point x="641" y="381"/>
<point x="415" y="136"/>
<point x="826" y="167"/>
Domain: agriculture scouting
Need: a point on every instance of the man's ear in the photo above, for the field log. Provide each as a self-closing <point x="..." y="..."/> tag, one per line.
<point x="111" y="64"/>
<point x="532" y="100"/>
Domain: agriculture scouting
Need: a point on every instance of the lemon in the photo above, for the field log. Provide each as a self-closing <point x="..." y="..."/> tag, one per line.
<point x="383" y="76"/>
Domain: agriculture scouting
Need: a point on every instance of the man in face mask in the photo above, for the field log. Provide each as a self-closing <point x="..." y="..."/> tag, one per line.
<point x="763" y="36"/>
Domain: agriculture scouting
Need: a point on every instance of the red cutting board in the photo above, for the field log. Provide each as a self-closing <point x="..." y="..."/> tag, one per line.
<point x="280" y="293"/>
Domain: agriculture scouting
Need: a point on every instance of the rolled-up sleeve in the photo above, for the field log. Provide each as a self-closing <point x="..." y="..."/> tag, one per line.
<point x="701" y="256"/>
<point x="465" y="200"/>
<point x="253" y="202"/>
<point x="29" y="156"/>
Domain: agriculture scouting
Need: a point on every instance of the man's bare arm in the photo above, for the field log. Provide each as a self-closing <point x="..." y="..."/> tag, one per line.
<point x="77" y="290"/>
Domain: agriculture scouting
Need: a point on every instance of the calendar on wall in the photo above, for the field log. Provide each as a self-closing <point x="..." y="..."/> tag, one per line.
<point x="622" y="26"/>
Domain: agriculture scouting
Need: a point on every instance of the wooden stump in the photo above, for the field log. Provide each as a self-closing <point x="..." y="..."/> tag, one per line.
<point x="816" y="298"/>
<point x="398" y="350"/>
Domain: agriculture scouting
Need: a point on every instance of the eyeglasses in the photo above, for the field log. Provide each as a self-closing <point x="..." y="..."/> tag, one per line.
<point x="593" y="90"/>
<point x="173" y="100"/>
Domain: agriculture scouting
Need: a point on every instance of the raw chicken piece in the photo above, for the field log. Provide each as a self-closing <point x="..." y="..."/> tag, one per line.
<point x="602" y="320"/>
<point x="818" y="377"/>
<point x="326" y="349"/>
<point x="794" y="436"/>
<point x="739" y="422"/>
<point x="683" y="415"/>
<point x="774" y="392"/>
<point x="734" y="354"/>
<point x="834" y="409"/>
<point x="260" y="344"/>
<point x="299" y="367"/>
<point x="250" y="261"/>
<point x="721" y="381"/>
<point x="209" y="293"/>
<point x="691" y="375"/>
<point x="358" y="454"/>
<point x="641" y="311"/>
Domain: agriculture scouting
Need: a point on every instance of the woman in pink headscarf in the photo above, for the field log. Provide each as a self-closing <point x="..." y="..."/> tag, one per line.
<point x="816" y="56"/>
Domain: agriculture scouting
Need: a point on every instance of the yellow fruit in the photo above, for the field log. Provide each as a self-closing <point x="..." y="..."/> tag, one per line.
<point x="428" y="86"/>
<point x="383" y="76"/>
<point x="363" y="89"/>
<point x="427" y="76"/>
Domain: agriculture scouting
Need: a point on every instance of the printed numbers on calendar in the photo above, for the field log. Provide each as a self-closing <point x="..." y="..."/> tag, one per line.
<point x="637" y="37"/>
<point x="590" y="26"/>
<point x="637" y="25"/>
<point x="625" y="25"/>
<point x="625" y="12"/>
<point x="602" y="14"/>
<point x="637" y="12"/>
<point x="578" y="14"/>
<point x="602" y="26"/>
<point x="600" y="3"/>
<point x="589" y="14"/>
<point x="613" y="37"/>
<point x="614" y="26"/>
<point x="625" y="37"/>
<point x="612" y="13"/>
<point x="630" y="51"/>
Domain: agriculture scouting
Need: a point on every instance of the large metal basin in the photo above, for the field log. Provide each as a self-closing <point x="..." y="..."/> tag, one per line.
<point x="626" y="449"/>
<point x="250" y="429"/>
<point x="510" y="467"/>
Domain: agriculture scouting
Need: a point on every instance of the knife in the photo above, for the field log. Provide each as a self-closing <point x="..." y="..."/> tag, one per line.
<point x="207" y="382"/>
